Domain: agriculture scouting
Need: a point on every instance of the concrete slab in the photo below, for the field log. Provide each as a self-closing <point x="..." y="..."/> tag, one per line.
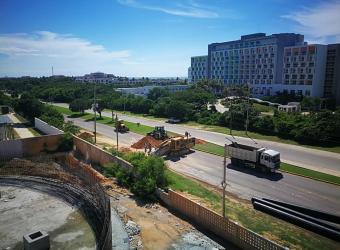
<point x="23" y="211"/>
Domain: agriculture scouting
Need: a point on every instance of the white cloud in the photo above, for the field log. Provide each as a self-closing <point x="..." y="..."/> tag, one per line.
<point x="34" y="54"/>
<point x="320" y="23"/>
<point x="188" y="9"/>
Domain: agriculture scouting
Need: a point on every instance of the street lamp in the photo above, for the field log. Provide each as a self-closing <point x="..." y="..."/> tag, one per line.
<point x="95" y="106"/>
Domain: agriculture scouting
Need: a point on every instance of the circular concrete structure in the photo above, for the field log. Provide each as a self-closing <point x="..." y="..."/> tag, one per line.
<point x="24" y="211"/>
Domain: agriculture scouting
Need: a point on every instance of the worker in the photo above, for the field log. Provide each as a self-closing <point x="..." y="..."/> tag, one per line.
<point x="186" y="134"/>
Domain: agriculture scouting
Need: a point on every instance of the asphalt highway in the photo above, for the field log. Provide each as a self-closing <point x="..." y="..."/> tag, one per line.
<point x="245" y="183"/>
<point x="323" y="161"/>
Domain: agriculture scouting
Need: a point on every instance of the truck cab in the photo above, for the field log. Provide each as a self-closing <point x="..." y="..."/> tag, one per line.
<point x="271" y="159"/>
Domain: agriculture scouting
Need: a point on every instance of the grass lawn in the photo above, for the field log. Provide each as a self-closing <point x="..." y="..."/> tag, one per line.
<point x="138" y="115"/>
<point x="282" y="232"/>
<point x="309" y="173"/>
<point x="63" y="110"/>
<point x="210" y="148"/>
<point x="253" y="135"/>
<point x="263" y="108"/>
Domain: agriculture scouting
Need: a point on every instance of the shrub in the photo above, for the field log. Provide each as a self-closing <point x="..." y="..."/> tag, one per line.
<point x="65" y="143"/>
<point x="147" y="174"/>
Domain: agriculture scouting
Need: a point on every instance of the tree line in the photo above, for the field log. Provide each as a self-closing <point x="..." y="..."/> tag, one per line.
<point x="318" y="127"/>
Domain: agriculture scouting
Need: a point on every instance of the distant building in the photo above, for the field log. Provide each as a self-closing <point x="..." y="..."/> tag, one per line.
<point x="198" y="69"/>
<point x="144" y="91"/>
<point x="97" y="77"/>
<point x="304" y="70"/>
<point x="271" y="64"/>
<point x="291" y="107"/>
<point x="254" y="59"/>
<point x="332" y="73"/>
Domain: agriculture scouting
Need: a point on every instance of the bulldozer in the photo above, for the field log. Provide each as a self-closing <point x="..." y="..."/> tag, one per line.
<point x="121" y="127"/>
<point x="158" y="133"/>
<point x="175" y="146"/>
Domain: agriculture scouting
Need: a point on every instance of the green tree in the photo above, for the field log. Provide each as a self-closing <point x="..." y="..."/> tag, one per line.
<point x="29" y="106"/>
<point x="69" y="127"/>
<point x="157" y="93"/>
<point x="147" y="174"/>
<point x="79" y="105"/>
<point x="100" y="107"/>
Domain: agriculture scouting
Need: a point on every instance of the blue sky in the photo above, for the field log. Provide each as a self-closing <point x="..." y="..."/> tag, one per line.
<point x="144" y="37"/>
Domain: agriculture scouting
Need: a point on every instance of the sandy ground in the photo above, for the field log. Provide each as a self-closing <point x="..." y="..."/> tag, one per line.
<point x="159" y="229"/>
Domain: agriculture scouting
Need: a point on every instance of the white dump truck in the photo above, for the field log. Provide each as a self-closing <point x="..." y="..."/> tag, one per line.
<point x="243" y="155"/>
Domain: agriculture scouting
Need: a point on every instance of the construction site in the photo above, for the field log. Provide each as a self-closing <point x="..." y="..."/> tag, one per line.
<point x="63" y="200"/>
<point x="55" y="194"/>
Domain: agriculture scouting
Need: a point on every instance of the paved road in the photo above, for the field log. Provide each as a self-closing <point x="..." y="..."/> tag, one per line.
<point x="126" y="139"/>
<point x="319" y="160"/>
<point x="245" y="184"/>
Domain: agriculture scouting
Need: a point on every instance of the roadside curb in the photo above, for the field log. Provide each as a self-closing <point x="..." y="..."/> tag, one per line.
<point x="285" y="171"/>
<point x="312" y="178"/>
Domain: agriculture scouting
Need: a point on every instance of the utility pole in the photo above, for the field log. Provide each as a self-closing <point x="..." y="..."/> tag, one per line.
<point x="52" y="71"/>
<point x="117" y="130"/>
<point x="231" y="116"/>
<point x="247" y="120"/>
<point x="95" y="115"/>
<point x="124" y="102"/>
<point x="224" y="182"/>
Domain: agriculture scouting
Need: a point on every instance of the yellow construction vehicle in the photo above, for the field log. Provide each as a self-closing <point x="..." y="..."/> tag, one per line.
<point x="120" y="126"/>
<point x="175" y="146"/>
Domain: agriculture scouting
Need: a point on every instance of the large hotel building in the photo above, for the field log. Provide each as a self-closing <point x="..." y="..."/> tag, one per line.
<point x="271" y="64"/>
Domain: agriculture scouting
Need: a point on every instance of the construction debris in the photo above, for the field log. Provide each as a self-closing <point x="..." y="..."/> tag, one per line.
<point x="146" y="142"/>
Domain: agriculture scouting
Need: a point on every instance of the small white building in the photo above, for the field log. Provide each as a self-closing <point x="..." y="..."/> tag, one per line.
<point x="291" y="107"/>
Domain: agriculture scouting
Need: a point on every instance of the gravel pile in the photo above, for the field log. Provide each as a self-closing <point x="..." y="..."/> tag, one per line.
<point x="132" y="228"/>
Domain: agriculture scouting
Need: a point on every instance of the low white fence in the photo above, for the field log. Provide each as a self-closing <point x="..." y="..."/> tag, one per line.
<point x="46" y="128"/>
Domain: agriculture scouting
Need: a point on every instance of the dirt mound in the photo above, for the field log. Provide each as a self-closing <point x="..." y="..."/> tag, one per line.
<point x="199" y="141"/>
<point x="85" y="135"/>
<point x="147" y="140"/>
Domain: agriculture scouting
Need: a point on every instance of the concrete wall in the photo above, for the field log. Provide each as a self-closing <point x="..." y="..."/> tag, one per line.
<point x="46" y="128"/>
<point x="96" y="154"/>
<point x="28" y="146"/>
<point x="10" y="149"/>
<point x="223" y="227"/>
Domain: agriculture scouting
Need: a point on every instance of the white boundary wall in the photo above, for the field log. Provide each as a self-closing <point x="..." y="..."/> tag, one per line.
<point x="46" y="128"/>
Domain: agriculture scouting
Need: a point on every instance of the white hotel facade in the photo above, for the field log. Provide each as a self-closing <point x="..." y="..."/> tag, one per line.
<point x="268" y="64"/>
